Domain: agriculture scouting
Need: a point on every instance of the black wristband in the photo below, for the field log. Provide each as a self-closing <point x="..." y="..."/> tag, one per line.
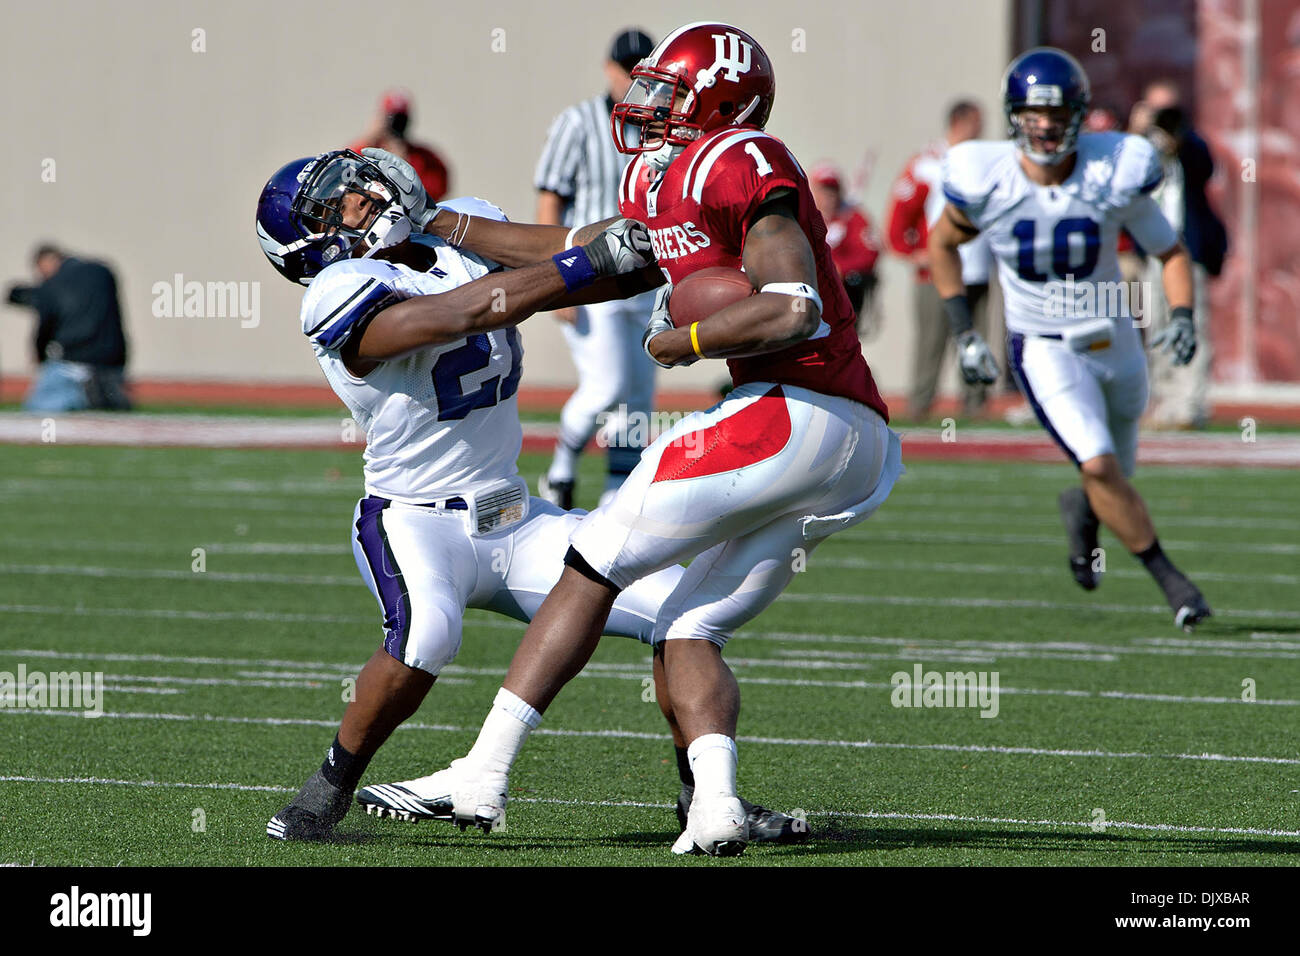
<point x="1182" y="312"/>
<point x="959" y="317"/>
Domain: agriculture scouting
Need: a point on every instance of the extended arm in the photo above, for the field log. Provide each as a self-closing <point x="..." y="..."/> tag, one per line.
<point x="493" y="302"/>
<point x="776" y="250"/>
<point x="609" y="266"/>
<point x="512" y="244"/>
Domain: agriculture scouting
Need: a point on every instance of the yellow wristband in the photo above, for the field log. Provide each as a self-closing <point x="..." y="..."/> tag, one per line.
<point x="695" y="339"/>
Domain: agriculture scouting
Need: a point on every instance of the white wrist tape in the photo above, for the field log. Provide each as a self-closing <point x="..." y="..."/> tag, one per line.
<point x="801" y="289"/>
<point x="568" y="240"/>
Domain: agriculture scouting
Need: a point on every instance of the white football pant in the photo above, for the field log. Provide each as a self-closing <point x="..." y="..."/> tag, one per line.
<point x="1089" y="402"/>
<point x="425" y="569"/>
<point x="734" y="485"/>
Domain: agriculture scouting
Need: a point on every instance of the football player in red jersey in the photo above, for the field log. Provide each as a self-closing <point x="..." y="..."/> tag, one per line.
<point x="799" y="449"/>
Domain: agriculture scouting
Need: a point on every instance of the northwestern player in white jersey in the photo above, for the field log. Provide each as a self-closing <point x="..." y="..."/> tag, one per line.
<point x="419" y="343"/>
<point x="1051" y="203"/>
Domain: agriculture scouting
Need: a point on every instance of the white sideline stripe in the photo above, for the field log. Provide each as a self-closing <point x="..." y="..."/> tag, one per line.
<point x="644" y="735"/>
<point x="1117" y="824"/>
<point x="956" y="567"/>
<point x="974" y="517"/>
<point x="1056" y="541"/>
<point x="876" y="533"/>
<point x="909" y="601"/>
<point x="897" y="600"/>
<point x="860" y="564"/>
<point x="912" y="498"/>
<point x="177" y="613"/>
<point x="642" y="805"/>
<point x="636" y="672"/>
<point x="92" y="571"/>
<point x="1181" y="647"/>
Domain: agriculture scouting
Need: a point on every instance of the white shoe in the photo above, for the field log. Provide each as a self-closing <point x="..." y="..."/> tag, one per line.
<point x="717" y="826"/>
<point x="461" y="794"/>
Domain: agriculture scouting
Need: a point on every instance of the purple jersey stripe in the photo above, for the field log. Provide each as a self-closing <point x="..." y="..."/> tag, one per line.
<point x="388" y="576"/>
<point x="1017" y="368"/>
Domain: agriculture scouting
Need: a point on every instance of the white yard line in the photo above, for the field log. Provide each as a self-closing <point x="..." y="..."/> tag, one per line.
<point x="895" y="600"/>
<point x="455" y="674"/>
<point x="642" y="735"/>
<point x="646" y="805"/>
<point x="1058" y="541"/>
<point x="902" y="600"/>
<point x="871" y="533"/>
<point x="819" y="561"/>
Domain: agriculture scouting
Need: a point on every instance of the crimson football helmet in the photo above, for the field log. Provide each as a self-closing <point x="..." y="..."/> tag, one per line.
<point x="701" y="77"/>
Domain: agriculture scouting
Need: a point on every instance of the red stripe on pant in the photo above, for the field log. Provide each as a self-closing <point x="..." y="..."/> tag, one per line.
<point x="757" y="432"/>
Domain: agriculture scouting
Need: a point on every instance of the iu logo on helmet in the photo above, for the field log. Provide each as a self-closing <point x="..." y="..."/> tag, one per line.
<point x="731" y="54"/>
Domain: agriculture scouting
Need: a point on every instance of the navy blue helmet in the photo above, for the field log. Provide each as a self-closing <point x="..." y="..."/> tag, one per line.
<point x="300" y="215"/>
<point x="1046" y="77"/>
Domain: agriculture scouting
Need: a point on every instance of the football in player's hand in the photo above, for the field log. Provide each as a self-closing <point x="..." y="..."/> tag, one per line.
<point x="706" y="291"/>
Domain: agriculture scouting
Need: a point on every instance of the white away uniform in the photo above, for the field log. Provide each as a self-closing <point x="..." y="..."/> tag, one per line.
<point x="1072" y="342"/>
<point x="446" y="523"/>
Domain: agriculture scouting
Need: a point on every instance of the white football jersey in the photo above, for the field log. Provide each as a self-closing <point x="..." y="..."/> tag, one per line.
<point x="1056" y="245"/>
<point x="441" y="421"/>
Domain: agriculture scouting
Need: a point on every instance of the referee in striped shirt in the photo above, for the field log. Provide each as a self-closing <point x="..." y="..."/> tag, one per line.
<point x="577" y="182"/>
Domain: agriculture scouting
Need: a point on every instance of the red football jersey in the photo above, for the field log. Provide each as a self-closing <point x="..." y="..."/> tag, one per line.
<point x="698" y="212"/>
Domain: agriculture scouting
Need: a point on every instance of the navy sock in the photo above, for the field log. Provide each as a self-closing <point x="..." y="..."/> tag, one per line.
<point x="1160" y="567"/>
<point x="343" y="768"/>
<point x="684" y="768"/>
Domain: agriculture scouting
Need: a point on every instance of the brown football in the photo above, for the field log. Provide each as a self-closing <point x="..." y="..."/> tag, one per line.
<point x="706" y="291"/>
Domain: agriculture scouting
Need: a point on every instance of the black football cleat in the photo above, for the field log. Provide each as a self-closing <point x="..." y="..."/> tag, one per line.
<point x="1081" y="527"/>
<point x="1190" y="610"/>
<point x="313" y="813"/>
<point x="399" y="801"/>
<point x="765" y="826"/>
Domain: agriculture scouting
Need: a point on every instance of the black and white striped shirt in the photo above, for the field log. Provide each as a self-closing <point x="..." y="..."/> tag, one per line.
<point x="580" y="164"/>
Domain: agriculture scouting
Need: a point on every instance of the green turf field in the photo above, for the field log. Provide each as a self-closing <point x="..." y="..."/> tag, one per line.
<point x="224" y="687"/>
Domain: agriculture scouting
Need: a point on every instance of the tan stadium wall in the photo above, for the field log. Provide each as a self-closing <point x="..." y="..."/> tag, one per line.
<point x="157" y="152"/>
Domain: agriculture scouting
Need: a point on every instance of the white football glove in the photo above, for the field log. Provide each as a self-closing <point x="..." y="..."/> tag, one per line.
<point x="414" y="198"/>
<point x="978" y="366"/>
<point x="1179" y="339"/>
<point x="659" y="322"/>
<point x="621" y="248"/>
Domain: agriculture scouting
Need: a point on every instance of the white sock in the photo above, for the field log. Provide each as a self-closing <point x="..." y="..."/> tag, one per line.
<point x="504" y="731"/>
<point x="713" y="762"/>
<point x="563" y="463"/>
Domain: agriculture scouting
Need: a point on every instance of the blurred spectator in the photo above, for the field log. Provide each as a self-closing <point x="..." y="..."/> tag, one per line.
<point x="388" y="131"/>
<point x="848" y="232"/>
<point x="577" y="180"/>
<point x="79" y="344"/>
<point x="1180" y="396"/>
<point x="917" y="201"/>
<point x="1100" y="119"/>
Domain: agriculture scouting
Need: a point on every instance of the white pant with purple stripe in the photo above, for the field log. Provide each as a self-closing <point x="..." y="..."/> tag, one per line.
<point x="425" y="569"/>
<point x="1090" y="402"/>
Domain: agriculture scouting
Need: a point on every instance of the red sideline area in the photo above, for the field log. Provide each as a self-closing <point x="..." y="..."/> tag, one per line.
<point x="229" y="394"/>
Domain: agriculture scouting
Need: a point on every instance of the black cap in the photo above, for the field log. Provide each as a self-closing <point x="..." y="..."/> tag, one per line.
<point x="630" y="47"/>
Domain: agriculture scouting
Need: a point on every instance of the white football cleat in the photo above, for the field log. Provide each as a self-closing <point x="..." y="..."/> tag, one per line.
<point x="717" y="826"/>
<point x="462" y="794"/>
